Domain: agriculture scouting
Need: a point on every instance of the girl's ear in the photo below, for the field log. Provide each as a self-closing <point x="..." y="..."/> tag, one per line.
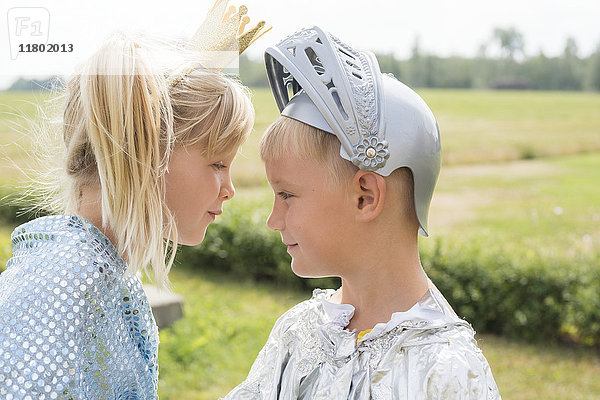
<point x="368" y="191"/>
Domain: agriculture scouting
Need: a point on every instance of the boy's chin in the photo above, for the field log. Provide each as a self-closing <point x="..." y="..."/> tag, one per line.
<point x="308" y="271"/>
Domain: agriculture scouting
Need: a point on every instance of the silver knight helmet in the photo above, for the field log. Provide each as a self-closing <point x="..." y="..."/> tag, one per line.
<point x="381" y="123"/>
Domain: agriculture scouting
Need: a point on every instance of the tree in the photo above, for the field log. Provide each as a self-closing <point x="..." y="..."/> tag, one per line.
<point x="594" y="69"/>
<point x="571" y="49"/>
<point x="510" y="41"/>
<point x="418" y="69"/>
<point x="569" y="73"/>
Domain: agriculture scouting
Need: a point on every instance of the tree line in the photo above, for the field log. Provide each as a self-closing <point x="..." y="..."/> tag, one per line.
<point x="501" y="63"/>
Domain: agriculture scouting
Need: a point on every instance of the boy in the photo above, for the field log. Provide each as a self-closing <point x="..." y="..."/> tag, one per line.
<point x="354" y="212"/>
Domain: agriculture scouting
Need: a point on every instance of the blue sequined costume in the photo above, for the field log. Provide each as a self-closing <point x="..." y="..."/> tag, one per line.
<point x="72" y="324"/>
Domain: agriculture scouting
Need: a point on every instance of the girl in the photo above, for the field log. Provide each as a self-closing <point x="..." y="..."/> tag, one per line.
<point x="147" y="157"/>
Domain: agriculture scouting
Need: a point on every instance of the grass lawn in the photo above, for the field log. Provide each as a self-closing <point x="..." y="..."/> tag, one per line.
<point x="226" y="322"/>
<point x="476" y="126"/>
<point x="487" y="126"/>
<point x="547" y="205"/>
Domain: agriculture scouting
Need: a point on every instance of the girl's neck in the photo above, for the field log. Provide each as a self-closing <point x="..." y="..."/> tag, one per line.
<point x="90" y="208"/>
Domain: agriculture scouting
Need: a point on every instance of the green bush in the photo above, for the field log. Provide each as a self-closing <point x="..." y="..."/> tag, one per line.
<point x="535" y="298"/>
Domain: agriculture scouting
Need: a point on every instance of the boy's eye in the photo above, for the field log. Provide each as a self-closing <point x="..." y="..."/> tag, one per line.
<point x="219" y="165"/>
<point x="284" y="195"/>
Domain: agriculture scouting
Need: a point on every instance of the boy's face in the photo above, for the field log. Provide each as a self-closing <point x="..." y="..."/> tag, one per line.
<point x="313" y="216"/>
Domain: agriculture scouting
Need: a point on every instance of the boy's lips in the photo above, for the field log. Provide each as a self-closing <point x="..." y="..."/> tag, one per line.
<point x="288" y="242"/>
<point x="213" y="214"/>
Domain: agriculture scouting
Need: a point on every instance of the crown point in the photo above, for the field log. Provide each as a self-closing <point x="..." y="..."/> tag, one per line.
<point x="243" y="24"/>
<point x="229" y="13"/>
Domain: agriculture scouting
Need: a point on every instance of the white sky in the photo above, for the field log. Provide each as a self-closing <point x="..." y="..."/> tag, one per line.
<point x="445" y="27"/>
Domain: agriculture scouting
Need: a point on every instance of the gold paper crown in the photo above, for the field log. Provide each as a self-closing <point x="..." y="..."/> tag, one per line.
<point x="222" y="36"/>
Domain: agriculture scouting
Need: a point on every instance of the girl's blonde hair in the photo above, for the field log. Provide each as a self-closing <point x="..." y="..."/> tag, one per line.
<point x="123" y="116"/>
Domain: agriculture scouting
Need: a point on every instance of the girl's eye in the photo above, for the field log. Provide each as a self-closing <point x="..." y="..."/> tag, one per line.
<point x="284" y="195"/>
<point x="219" y="165"/>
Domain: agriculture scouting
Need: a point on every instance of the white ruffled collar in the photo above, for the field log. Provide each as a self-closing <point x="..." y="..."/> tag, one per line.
<point x="432" y="306"/>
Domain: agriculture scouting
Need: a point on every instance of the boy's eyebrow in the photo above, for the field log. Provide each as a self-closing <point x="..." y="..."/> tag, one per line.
<point x="280" y="182"/>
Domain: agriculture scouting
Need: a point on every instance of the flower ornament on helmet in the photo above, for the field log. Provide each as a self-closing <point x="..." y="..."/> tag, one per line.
<point x="381" y="123"/>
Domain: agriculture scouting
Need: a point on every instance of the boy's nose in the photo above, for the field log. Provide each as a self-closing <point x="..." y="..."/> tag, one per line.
<point x="274" y="222"/>
<point x="227" y="189"/>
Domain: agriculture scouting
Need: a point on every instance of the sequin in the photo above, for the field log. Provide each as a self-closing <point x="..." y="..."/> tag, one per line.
<point x="65" y="328"/>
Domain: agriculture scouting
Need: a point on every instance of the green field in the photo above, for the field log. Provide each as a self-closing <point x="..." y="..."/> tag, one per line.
<point x="477" y="127"/>
<point x="521" y="173"/>
<point x="549" y="206"/>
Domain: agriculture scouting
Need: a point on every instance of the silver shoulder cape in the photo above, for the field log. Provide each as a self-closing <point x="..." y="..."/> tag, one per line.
<point x="424" y="353"/>
<point x="72" y="325"/>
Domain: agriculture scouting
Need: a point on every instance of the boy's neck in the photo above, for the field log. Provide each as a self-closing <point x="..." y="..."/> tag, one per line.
<point x="390" y="282"/>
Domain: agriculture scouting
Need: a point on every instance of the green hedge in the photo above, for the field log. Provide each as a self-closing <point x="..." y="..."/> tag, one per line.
<point x="521" y="294"/>
<point x="525" y="295"/>
<point x="534" y="298"/>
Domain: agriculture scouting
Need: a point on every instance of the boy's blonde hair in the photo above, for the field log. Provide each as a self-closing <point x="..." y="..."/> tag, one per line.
<point x="122" y="119"/>
<point x="287" y="136"/>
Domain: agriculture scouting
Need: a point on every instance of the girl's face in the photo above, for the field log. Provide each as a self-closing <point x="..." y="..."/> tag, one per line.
<point x="196" y="188"/>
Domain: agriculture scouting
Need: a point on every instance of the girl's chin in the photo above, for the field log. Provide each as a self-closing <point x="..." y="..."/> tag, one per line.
<point x="192" y="240"/>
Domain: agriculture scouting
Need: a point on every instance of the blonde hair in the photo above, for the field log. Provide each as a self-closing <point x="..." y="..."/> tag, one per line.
<point x="287" y="136"/>
<point x="123" y="116"/>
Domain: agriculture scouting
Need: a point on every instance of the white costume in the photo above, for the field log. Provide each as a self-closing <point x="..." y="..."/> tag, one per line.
<point x="424" y="353"/>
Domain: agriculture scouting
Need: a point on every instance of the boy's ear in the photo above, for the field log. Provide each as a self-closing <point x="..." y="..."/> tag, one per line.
<point x="369" y="189"/>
